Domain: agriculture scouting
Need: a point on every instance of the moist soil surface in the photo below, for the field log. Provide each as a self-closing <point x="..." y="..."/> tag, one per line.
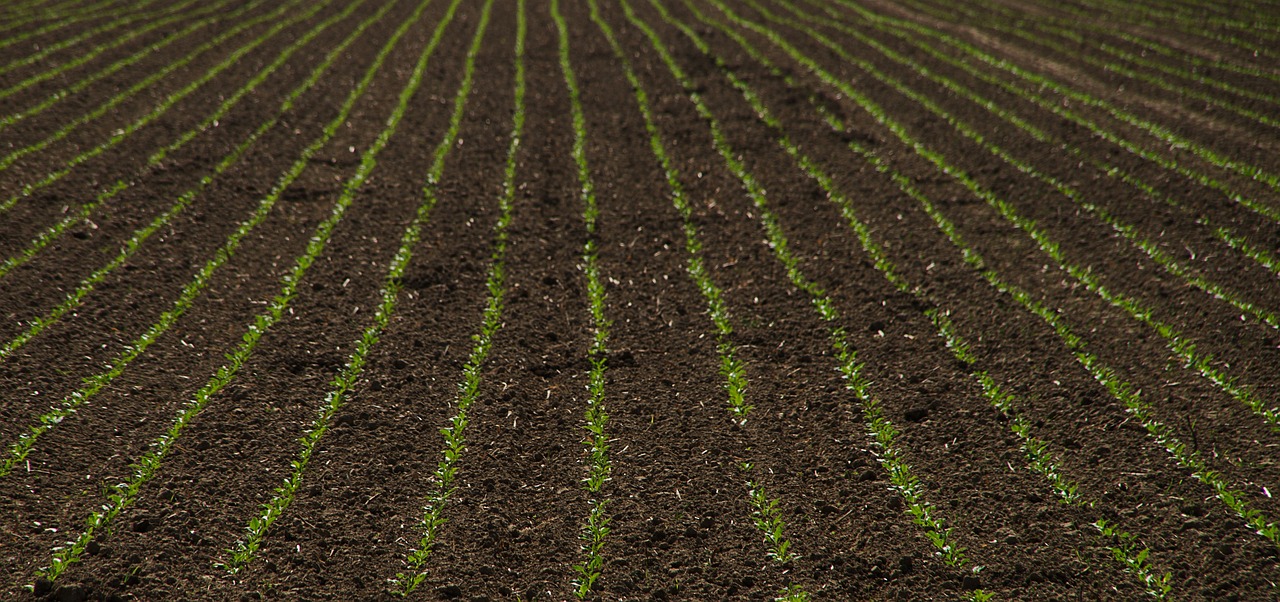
<point x="866" y="174"/>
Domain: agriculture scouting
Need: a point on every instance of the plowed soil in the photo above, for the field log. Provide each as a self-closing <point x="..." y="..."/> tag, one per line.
<point x="682" y="521"/>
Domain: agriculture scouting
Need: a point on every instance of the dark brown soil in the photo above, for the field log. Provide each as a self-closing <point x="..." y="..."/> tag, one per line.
<point x="679" y="502"/>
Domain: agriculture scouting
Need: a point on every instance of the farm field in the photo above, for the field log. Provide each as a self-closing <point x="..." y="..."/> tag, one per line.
<point x="639" y="300"/>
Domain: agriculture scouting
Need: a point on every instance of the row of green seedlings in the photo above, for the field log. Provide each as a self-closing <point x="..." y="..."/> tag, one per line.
<point x="190" y="292"/>
<point x="595" y="528"/>
<point x="29" y="11"/>
<point x="212" y="14"/>
<point x="1137" y="407"/>
<point x="1174" y="57"/>
<point x="1016" y="28"/>
<point x="120" y="134"/>
<point x="44" y="51"/>
<point x="171" y="15"/>
<point x="22" y="14"/>
<point x="1260" y="25"/>
<point x="244" y="550"/>
<point x="76" y="297"/>
<point x="1039" y="459"/>
<point x="1181" y="347"/>
<point x="1153" y="47"/>
<point x="26" y="11"/>
<point x="54" y="8"/>
<point x="81" y="213"/>
<point x="1250" y="47"/>
<point x="1209" y="99"/>
<point x="1165" y="134"/>
<point x="57" y="22"/>
<point x="1003" y="401"/>
<point x="1240" y="7"/>
<point x="161" y="108"/>
<point x="881" y="429"/>
<point x="124" y="494"/>
<point x="1232" y="239"/>
<point x="454" y="431"/>
<point x="1128" y="231"/>
<point x="1227" y="235"/>
<point x="39" y="8"/>
<point x="766" y="512"/>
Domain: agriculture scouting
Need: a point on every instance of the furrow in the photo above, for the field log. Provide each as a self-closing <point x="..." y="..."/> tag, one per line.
<point x="60" y="20"/>
<point x="454" y="431"/>
<point x="122" y="133"/>
<point x="214" y="16"/>
<point x="244" y="550"/>
<point x="1039" y="459"/>
<point x="31" y="10"/>
<point x="82" y="212"/>
<point x="9" y="41"/>
<point x="174" y="15"/>
<point x="1068" y="27"/>
<point x="1226" y="234"/>
<point x="1183" y="348"/>
<point x="1121" y="390"/>
<point x="595" y="529"/>
<point x="122" y="495"/>
<point x="1250" y="47"/>
<point x="1197" y="21"/>
<point x="767" y="513"/>
<point x="881" y="429"/>
<point x="96" y="383"/>
<point x="1010" y="26"/>
<point x="901" y="27"/>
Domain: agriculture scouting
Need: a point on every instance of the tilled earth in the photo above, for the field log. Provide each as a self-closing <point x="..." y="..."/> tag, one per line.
<point x="1174" y="148"/>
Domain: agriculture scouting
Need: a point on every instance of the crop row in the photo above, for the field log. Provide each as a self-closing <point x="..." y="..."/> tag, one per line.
<point x="161" y="108"/>
<point x="595" y="528"/>
<point x="184" y="200"/>
<point x="882" y="430"/>
<point x="900" y="29"/>
<point x="1162" y="133"/>
<point x="96" y="383"/>
<point x="1007" y="25"/>
<point x="1165" y="15"/>
<point x="433" y="517"/>
<point x="214" y="15"/>
<point x="1226" y="234"/>
<point x="1039" y="458"/>
<point x="174" y="14"/>
<point x="766" y="512"/>
<point x="145" y="467"/>
<point x="51" y="233"/>
<point x="245" y="549"/>
<point x="1178" y="344"/>
<point x="1148" y="47"/>
<point x="24" y="13"/>
<point x="1103" y="373"/>
<point x="1187" y="26"/>
<point x="68" y="42"/>
<point x="1034" y="449"/>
